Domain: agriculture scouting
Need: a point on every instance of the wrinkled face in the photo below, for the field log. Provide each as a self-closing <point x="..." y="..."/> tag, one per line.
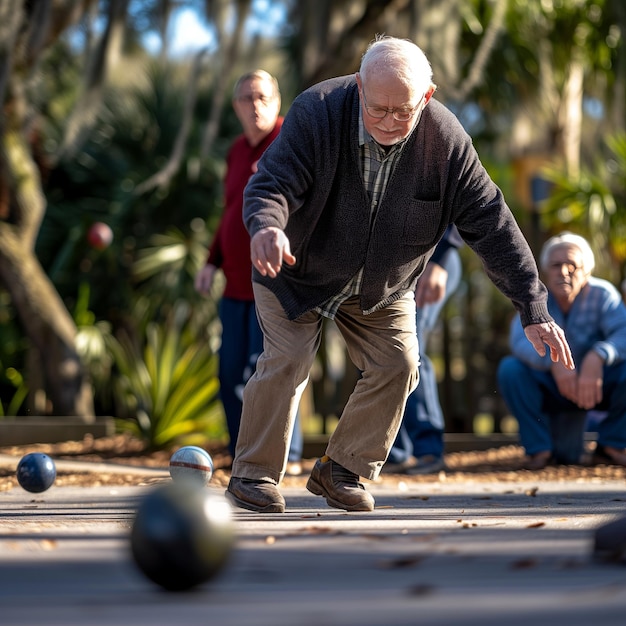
<point x="564" y="275"/>
<point x="390" y="107"/>
<point x="257" y="107"/>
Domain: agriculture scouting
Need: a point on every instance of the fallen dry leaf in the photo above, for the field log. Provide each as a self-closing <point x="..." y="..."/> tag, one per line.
<point x="536" y="525"/>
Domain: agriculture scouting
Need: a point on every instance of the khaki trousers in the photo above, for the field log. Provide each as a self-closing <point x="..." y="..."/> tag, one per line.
<point x="382" y="345"/>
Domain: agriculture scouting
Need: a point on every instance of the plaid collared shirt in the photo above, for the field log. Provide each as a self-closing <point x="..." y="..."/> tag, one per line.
<point x="377" y="165"/>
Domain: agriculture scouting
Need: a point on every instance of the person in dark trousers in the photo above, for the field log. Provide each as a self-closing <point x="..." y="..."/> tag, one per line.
<point x="419" y="446"/>
<point x="256" y="101"/>
<point x="344" y="212"/>
<point x="549" y="401"/>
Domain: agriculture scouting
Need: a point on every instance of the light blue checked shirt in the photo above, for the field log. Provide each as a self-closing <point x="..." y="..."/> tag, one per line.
<point x="596" y="321"/>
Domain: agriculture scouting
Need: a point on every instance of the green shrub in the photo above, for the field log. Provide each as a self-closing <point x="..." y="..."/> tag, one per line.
<point x="167" y="389"/>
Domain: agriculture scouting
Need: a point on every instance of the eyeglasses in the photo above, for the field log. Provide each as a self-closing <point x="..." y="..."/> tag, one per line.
<point x="571" y="268"/>
<point x="249" y="99"/>
<point x="400" y="115"/>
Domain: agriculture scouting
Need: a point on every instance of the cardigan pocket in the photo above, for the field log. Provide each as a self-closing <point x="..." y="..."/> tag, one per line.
<point x="423" y="223"/>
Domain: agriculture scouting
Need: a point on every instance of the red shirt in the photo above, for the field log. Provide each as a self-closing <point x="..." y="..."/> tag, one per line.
<point x="230" y="249"/>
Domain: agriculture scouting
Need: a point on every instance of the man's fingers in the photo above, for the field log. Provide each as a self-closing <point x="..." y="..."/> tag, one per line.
<point x="287" y="256"/>
<point x="204" y="280"/>
<point x="559" y="349"/>
<point x="551" y="335"/>
<point x="560" y="352"/>
<point x="268" y="249"/>
<point x="590" y="393"/>
<point x="533" y="336"/>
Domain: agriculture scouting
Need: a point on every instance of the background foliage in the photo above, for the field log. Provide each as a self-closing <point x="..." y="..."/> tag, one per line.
<point x="105" y="119"/>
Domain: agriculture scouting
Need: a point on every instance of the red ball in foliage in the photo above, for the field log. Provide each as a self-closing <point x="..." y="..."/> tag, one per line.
<point x="99" y="235"/>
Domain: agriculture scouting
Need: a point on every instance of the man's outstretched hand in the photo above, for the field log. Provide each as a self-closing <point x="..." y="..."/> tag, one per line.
<point x="269" y="248"/>
<point x="551" y="334"/>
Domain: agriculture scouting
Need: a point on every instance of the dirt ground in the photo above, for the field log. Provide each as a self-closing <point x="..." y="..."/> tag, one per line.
<point x="503" y="464"/>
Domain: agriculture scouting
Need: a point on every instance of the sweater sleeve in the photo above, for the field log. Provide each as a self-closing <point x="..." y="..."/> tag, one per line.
<point x="298" y="160"/>
<point x="484" y="220"/>
<point x="284" y="174"/>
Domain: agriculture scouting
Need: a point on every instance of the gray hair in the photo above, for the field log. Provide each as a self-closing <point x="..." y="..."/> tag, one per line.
<point x="568" y="239"/>
<point x="260" y="74"/>
<point x="402" y="56"/>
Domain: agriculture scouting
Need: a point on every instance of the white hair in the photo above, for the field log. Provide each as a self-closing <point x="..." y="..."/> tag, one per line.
<point x="260" y="74"/>
<point x="568" y="239"/>
<point x="402" y="57"/>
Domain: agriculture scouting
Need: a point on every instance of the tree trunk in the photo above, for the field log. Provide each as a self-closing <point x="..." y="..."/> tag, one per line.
<point x="43" y="316"/>
<point x="571" y="115"/>
<point x="232" y="46"/>
<point x="40" y="310"/>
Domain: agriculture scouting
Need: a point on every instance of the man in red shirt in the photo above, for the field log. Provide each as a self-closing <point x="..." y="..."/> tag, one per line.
<point x="256" y="101"/>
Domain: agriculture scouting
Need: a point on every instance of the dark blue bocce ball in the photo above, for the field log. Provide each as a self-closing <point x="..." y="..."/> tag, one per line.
<point x="182" y="535"/>
<point x="36" y="472"/>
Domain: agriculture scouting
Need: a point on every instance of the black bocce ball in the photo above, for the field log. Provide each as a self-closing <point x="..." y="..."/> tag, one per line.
<point x="182" y="535"/>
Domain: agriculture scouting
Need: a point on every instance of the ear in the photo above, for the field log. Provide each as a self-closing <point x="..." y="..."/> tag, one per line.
<point x="429" y="94"/>
<point x="358" y="81"/>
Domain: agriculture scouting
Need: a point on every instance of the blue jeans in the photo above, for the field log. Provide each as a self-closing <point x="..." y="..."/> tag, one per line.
<point x="242" y="343"/>
<point x="534" y="400"/>
<point x="421" y="432"/>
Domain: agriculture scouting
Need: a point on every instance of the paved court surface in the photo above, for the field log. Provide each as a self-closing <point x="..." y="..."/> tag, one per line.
<point x="443" y="554"/>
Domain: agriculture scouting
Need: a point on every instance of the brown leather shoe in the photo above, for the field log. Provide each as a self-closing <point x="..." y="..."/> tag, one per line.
<point x="339" y="486"/>
<point x="607" y="455"/>
<point x="255" y="495"/>
<point x="538" y="461"/>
